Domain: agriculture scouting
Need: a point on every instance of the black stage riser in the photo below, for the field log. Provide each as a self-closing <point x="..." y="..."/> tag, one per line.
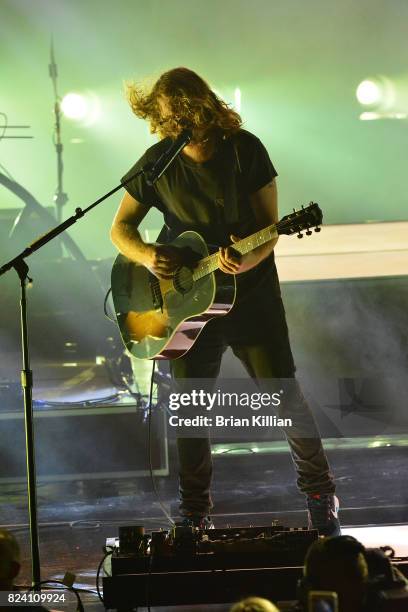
<point x="181" y="588"/>
<point x="221" y="586"/>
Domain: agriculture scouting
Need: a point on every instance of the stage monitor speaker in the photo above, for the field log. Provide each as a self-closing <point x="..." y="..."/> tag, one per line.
<point x="84" y="443"/>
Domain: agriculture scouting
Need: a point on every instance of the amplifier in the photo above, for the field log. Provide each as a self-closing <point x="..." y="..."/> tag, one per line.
<point x="105" y="441"/>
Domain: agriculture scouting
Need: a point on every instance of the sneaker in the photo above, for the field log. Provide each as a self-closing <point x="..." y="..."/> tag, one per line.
<point x="194" y="520"/>
<point x="323" y="514"/>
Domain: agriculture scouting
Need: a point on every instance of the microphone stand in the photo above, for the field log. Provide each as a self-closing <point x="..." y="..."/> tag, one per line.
<point x="60" y="197"/>
<point x="20" y="266"/>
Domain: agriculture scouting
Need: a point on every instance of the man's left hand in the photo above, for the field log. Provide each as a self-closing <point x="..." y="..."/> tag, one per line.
<point x="232" y="262"/>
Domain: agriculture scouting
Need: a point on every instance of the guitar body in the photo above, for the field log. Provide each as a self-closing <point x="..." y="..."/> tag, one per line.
<point x="161" y="318"/>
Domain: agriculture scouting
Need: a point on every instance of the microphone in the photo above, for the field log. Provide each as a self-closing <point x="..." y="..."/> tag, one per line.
<point x="154" y="172"/>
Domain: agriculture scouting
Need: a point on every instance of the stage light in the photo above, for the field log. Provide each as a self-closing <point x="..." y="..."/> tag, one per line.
<point x="373" y="116"/>
<point x="83" y="108"/>
<point x="381" y="95"/>
<point x="369" y="116"/>
<point x="74" y="106"/>
<point x="383" y="98"/>
<point x="369" y="93"/>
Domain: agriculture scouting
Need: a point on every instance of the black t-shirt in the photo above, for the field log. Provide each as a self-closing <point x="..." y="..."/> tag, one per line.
<point x="192" y="196"/>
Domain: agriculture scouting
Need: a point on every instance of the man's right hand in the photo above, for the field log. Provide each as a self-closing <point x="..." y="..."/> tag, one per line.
<point x="163" y="260"/>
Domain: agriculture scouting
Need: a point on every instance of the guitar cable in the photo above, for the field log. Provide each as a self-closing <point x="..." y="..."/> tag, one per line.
<point x="149" y="444"/>
<point x="105" y="305"/>
<point x="149" y="421"/>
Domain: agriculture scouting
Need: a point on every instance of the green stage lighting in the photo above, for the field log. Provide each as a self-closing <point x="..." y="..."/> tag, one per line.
<point x="369" y="93"/>
<point x="237" y="99"/>
<point x="74" y="106"/>
<point x="84" y="108"/>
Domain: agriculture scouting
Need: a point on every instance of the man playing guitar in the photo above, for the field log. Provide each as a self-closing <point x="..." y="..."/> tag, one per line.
<point x="223" y="186"/>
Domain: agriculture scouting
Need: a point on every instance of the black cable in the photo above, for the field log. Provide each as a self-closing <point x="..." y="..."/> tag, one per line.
<point x="58" y="524"/>
<point x="105" y="303"/>
<point x="119" y="379"/>
<point x="147" y="590"/>
<point x="231" y="451"/>
<point x="98" y="572"/>
<point x="80" y="607"/>
<point x="27" y="587"/>
<point x="44" y="405"/>
<point x="115" y="371"/>
<point x="95" y="401"/>
<point x="106" y="399"/>
<point x="149" y="443"/>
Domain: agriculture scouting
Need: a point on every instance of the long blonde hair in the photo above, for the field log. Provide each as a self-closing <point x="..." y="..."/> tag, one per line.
<point x="192" y="104"/>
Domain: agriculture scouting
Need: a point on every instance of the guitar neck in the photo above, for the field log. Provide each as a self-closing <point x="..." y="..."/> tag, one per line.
<point x="210" y="264"/>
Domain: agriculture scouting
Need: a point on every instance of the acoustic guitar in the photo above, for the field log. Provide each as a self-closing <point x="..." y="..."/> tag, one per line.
<point x="162" y="318"/>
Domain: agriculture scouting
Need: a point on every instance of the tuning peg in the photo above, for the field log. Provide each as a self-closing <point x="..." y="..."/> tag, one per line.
<point x="308" y="233"/>
<point x="300" y="235"/>
<point x="317" y="229"/>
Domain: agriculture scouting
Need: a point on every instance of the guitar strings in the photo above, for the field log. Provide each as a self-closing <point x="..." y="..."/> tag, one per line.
<point x="181" y="276"/>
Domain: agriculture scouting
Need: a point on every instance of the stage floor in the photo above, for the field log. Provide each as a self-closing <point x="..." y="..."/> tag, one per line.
<point x="76" y="517"/>
<point x="76" y="547"/>
<point x="78" y="514"/>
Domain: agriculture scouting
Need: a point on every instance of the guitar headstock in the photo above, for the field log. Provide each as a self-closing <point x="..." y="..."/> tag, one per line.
<point x="302" y="219"/>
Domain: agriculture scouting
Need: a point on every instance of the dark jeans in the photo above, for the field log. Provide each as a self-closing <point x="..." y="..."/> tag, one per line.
<point x="266" y="358"/>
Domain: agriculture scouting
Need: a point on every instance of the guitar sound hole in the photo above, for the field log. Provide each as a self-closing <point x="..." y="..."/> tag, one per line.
<point x="183" y="280"/>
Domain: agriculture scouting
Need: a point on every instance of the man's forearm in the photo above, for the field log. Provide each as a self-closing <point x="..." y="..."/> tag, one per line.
<point x="127" y="239"/>
<point x="259" y="254"/>
<point x="265" y="249"/>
